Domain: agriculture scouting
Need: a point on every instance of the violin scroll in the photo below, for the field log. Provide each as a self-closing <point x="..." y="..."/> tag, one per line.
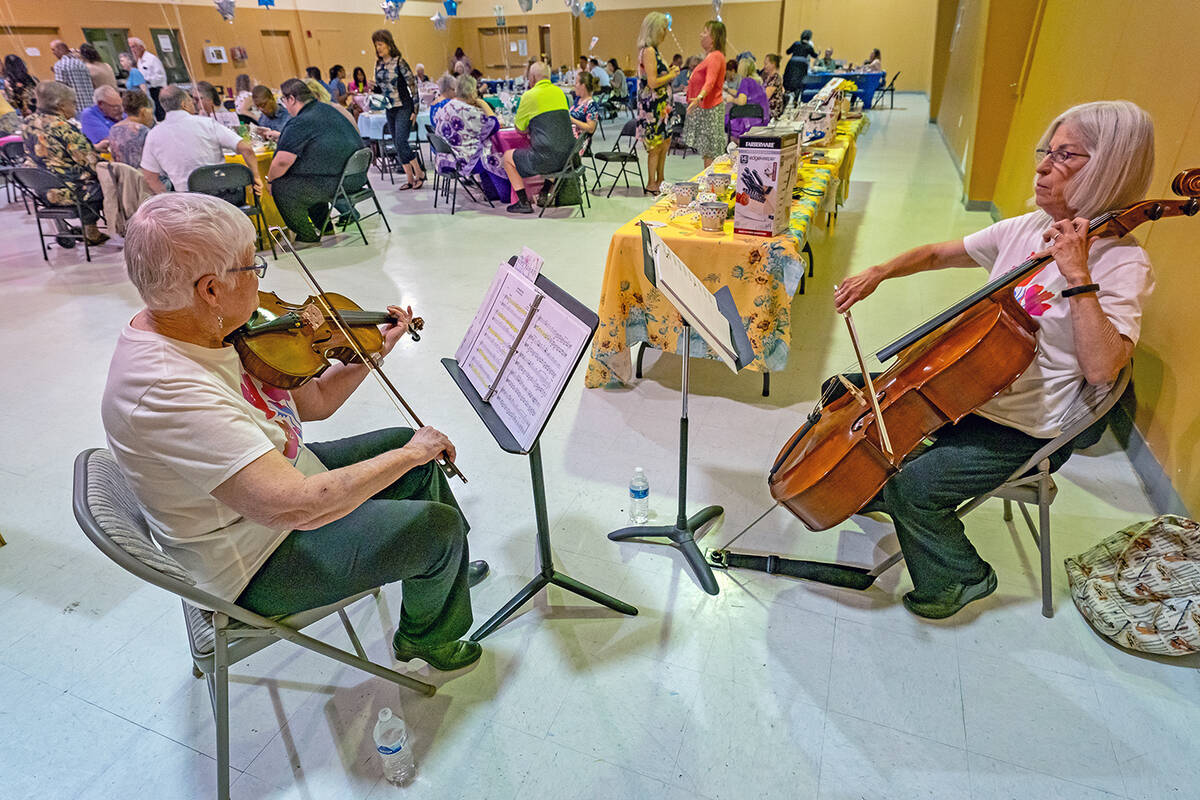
<point x="1187" y="183"/>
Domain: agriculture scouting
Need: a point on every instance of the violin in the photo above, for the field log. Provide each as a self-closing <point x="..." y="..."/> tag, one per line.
<point x="945" y="368"/>
<point x="288" y="344"/>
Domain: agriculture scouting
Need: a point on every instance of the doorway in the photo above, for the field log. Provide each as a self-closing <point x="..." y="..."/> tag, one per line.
<point x="108" y="43"/>
<point x="544" y="43"/>
<point x="166" y="44"/>
<point x="279" y="60"/>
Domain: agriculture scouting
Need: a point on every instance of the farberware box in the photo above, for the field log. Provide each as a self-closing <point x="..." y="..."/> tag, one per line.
<point x="766" y="169"/>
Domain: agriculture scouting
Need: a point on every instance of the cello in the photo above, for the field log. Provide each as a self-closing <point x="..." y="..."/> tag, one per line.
<point x="945" y="368"/>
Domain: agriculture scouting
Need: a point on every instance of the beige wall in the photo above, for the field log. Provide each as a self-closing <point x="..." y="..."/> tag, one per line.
<point x="1065" y="70"/>
<point x="959" y="109"/>
<point x="902" y="29"/>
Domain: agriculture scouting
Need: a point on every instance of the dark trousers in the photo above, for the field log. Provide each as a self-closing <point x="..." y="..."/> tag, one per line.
<point x="412" y="531"/>
<point x="159" y="113"/>
<point x="399" y="125"/>
<point x="303" y="201"/>
<point x="966" y="460"/>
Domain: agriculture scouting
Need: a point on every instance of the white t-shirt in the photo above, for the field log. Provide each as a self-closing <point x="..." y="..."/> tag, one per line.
<point x="182" y="142"/>
<point x="152" y="70"/>
<point x="180" y="420"/>
<point x="1052" y="392"/>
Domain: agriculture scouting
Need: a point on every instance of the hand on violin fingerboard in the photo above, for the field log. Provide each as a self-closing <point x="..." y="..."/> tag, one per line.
<point x="395" y="330"/>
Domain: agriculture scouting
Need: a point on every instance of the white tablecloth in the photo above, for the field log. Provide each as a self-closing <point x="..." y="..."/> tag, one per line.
<point x="372" y="123"/>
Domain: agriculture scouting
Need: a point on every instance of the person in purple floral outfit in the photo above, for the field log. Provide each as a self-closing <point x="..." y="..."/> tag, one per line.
<point x="468" y="124"/>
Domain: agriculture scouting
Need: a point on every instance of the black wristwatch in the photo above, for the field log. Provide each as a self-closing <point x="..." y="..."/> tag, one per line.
<point x="1084" y="289"/>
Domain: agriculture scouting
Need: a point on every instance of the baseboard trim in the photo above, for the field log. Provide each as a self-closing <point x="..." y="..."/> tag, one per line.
<point x="1157" y="484"/>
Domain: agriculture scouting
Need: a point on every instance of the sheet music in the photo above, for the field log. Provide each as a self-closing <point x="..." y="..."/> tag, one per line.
<point x="530" y="384"/>
<point x="539" y="370"/>
<point x="693" y="300"/>
<point x="529" y="264"/>
<point x="494" y="329"/>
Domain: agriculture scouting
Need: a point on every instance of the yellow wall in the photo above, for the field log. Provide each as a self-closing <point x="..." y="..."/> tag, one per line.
<point x="903" y="31"/>
<point x="959" y="109"/>
<point x="947" y="12"/>
<point x="1119" y="53"/>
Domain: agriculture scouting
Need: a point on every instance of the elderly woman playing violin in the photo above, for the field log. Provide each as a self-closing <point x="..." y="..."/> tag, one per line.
<point x="218" y="462"/>
<point x="1087" y="301"/>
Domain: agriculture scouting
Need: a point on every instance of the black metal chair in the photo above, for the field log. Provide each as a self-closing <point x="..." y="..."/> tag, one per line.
<point x="37" y="184"/>
<point x="622" y="158"/>
<point x="444" y="179"/>
<point x="748" y="111"/>
<point x="12" y="155"/>
<point x="675" y="129"/>
<point x="232" y="183"/>
<point x="889" y="90"/>
<point x="573" y="170"/>
<point x="358" y="164"/>
<point x="247" y="120"/>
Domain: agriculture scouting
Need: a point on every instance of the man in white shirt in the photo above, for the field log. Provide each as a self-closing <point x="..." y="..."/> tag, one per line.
<point x="601" y="74"/>
<point x="152" y="70"/>
<point x="184" y="141"/>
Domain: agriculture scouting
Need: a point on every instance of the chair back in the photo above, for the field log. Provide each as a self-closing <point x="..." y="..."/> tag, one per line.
<point x="108" y="512"/>
<point x="14" y="152"/>
<point x="226" y="181"/>
<point x="440" y="145"/>
<point x="247" y="120"/>
<point x="38" y="182"/>
<point x="747" y="111"/>
<point x="892" y="83"/>
<point x="358" y="163"/>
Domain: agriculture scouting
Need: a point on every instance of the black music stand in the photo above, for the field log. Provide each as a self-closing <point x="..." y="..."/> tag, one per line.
<point x="683" y="532"/>
<point x="547" y="574"/>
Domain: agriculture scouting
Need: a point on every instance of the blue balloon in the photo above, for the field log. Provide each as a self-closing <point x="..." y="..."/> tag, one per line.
<point x="669" y="22"/>
<point x="451" y="8"/>
<point x="589" y="9"/>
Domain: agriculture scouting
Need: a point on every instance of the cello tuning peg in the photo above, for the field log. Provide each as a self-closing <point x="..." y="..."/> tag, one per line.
<point x="1155" y="211"/>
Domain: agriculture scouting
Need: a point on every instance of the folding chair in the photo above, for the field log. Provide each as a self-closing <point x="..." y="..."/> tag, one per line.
<point x="574" y="170"/>
<point x="444" y="179"/>
<point x="621" y="157"/>
<point x="12" y="155"/>
<point x="675" y="129"/>
<point x="748" y="111"/>
<point x="37" y="184"/>
<point x="108" y="512"/>
<point x="358" y="164"/>
<point x="233" y="183"/>
<point x="889" y="90"/>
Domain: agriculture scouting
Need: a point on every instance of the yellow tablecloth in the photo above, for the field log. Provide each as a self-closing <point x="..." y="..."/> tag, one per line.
<point x="270" y="212"/>
<point x="762" y="274"/>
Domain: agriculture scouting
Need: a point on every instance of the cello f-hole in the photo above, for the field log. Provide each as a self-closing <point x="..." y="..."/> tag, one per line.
<point x="856" y="426"/>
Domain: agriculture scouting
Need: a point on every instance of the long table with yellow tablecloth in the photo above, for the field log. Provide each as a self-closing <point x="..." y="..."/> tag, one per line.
<point x="763" y="274"/>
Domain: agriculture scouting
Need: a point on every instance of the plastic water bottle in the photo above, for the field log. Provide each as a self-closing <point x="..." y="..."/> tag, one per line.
<point x="391" y="740"/>
<point x="639" y="497"/>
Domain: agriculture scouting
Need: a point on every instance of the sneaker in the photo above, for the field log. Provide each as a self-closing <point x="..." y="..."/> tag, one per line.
<point x="444" y="657"/>
<point x="950" y="600"/>
<point x="520" y="208"/>
<point x="64" y="241"/>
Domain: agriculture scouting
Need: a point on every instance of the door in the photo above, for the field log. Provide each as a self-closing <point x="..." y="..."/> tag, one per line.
<point x="166" y="44"/>
<point x="32" y="44"/>
<point x="279" y="62"/>
<point x="544" y="44"/>
<point x="324" y="49"/>
<point x="109" y="42"/>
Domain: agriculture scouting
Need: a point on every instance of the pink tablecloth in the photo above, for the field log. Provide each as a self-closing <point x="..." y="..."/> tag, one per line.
<point x="513" y="139"/>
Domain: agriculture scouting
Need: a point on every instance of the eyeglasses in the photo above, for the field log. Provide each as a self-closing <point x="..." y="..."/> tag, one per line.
<point x="259" y="267"/>
<point x="1056" y="156"/>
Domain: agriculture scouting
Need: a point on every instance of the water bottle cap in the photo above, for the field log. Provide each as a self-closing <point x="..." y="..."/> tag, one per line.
<point x="385" y="714"/>
<point x="638" y="469"/>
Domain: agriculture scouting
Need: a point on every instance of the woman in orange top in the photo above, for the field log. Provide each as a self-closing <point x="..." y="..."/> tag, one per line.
<point x="704" y="126"/>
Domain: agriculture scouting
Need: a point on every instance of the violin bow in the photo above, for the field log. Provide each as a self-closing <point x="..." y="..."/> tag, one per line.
<point x="372" y="365"/>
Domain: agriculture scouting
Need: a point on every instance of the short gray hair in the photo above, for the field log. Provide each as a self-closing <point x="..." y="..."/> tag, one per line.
<point x="467" y="88"/>
<point x="538" y="71"/>
<point x="1119" y="137"/>
<point x="52" y="96"/>
<point x="172" y="98"/>
<point x="177" y="237"/>
<point x="104" y="91"/>
<point x="447" y="83"/>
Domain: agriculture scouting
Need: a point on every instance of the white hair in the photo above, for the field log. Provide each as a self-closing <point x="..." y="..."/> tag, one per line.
<point x="538" y="71"/>
<point x="178" y="237"/>
<point x="1119" y="137"/>
<point x="132" y="40"/>
<point x="104" y="91"/>
<point x="446" y="84"/>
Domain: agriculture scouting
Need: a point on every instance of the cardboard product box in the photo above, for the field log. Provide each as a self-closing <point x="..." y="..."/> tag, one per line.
<point x="766" y="166"/>
<point x="821" y="114"/>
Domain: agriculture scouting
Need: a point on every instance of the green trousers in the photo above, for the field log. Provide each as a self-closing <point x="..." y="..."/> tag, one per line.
<point x="413" y="531"/>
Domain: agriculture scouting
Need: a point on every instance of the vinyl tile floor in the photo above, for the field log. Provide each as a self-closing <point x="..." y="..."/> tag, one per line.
<point x="772" y="689"/>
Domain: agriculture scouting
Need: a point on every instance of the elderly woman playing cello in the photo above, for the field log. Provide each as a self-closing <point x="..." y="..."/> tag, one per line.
<point x="1087" y="301"/>
<point x="218" y="462"/>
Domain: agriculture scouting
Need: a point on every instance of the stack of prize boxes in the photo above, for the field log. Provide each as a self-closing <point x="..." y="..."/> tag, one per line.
<point x="820" y="115"/>
<point x="767" y="160"/>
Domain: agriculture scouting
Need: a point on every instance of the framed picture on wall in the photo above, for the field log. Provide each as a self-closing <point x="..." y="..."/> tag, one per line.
<point x="215" y="54"/>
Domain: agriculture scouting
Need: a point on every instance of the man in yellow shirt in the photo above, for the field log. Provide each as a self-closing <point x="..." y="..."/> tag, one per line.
<point x="543" y="113"/>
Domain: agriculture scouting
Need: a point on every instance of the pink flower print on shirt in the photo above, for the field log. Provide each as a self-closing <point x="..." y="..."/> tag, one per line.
<point x="1033" y="297"/>
<point x="276" y="404"/>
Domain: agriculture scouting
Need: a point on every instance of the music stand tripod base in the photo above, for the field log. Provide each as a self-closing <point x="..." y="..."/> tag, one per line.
<point x="685" y="538"/>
